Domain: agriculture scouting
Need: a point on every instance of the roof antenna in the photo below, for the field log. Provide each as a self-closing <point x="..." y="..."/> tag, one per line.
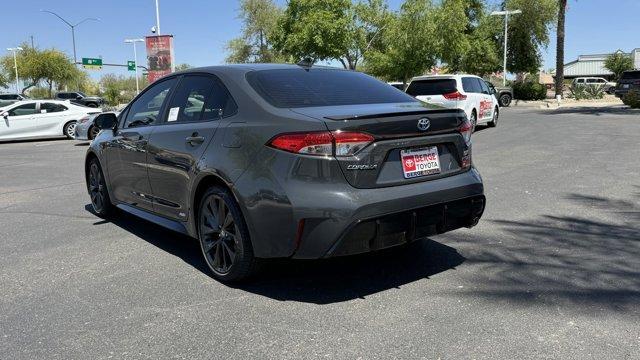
<point x="305" y="62"/>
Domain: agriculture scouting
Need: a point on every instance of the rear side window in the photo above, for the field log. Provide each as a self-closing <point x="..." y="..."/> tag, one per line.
<point x="200" y="98"/>
<point x="631" y="75"/>
<point x="295" y="88"/>
<point x="431" y="87"/>
<point x="483" y="87"/>
<point x="471" y="85"/>
<point x="51" y="107"/>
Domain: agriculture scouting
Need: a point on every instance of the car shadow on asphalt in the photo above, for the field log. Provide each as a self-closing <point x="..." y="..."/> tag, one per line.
<point x="577" y="259"/>
<point x="594" y="110"/>
<point x="313" y="281"/>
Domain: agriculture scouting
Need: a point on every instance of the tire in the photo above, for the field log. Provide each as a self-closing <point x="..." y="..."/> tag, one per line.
<point x="93" y="132"/>
<point x="473" y="120"/>
<point x="505" y="100"/>
<point x="69" y="130"/>
<point x="224" y="236"/>
<point x="97" y="188"/>
<point x="92" y="105"/>
<point x="494" y="121"/>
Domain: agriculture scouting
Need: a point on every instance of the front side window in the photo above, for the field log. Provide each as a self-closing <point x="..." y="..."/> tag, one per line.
<point x="301" y="87"/>
<point x="592" y="81"/>
<point x="483" y="87"/>
<point x="26" y="109"/>
<point x="146" y="109"/>
<point x="200" y="98"/>
<point x="52" y="108"/>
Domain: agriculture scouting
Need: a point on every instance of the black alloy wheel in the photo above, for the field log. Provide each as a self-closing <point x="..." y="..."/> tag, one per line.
<point x="98" y="190"/>
<point x="224" y="237"/>
<point x="93" y="132"/>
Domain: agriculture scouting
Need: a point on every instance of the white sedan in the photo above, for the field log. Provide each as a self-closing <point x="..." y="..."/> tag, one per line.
<point x="41" y="118"/>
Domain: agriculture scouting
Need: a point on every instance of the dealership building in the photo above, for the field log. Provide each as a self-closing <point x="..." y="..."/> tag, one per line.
<point x="593" y="65"/>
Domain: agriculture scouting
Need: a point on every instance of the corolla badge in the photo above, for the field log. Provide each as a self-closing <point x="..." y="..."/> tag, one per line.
<point x="423" y="124"/>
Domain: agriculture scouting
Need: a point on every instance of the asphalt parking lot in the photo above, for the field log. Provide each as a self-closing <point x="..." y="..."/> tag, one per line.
<point x="551" y="271"/>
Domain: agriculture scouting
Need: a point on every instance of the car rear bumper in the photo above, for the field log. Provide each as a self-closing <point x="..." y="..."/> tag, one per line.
<point x="373" y="219"/>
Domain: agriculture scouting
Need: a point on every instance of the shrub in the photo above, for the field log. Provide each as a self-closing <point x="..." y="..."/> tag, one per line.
<point x="529" y="90"/>
<point x="587" y="92"/>
<point x="632" y="99"/>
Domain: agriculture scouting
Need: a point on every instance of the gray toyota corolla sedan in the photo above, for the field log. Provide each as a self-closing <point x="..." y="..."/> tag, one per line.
<point x="264" y="161"/>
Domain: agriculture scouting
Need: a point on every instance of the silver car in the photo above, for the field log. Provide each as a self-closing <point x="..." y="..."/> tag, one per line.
<point x="86" y="129"/>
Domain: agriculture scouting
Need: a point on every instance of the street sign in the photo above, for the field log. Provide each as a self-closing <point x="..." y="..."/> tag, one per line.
<point x="91" y="63"/>
<point x="131" y="65"/>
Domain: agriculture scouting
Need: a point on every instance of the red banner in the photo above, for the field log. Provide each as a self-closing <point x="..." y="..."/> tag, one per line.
<point x="159" y="56"/>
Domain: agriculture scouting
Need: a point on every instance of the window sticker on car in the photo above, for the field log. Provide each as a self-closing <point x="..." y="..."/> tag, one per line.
<point x="173" y="113"/>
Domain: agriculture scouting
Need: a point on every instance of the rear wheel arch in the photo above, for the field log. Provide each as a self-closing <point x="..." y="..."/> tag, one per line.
<point x="203" y="184"/>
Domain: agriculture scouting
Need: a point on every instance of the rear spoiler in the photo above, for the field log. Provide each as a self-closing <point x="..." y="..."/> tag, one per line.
<point x="390" y="114"/>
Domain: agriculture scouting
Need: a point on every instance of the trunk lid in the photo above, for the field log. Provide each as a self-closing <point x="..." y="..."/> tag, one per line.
<point x="394" y="128"/>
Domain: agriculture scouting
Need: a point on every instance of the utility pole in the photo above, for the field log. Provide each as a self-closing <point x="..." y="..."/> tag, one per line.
<point x="135" y="58"/>
<point x="31" y="36"/>
<point x="15" y="65"/>
<point x="506" y="14"/>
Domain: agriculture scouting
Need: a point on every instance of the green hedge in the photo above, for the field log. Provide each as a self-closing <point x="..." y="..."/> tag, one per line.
<point x="529" y="90"/>
<point x="632" y="99"/>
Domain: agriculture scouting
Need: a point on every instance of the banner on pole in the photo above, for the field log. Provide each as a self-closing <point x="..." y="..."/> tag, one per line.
<point x="159" y="56"/>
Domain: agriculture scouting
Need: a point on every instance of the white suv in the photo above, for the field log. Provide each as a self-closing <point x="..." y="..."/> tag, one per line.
<point x="467" y="92"/>
<point x="608" y="86"/>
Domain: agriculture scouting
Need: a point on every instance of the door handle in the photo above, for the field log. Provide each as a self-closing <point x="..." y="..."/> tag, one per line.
<point x="194" y="139"/>
<point x="132" y="136"/>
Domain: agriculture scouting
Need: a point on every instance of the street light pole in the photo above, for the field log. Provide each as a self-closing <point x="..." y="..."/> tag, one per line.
<point x="73" y="30"/>
<point x="506" y="14"/>
<point x="157" y="18"/>
<point x="135" y="58"/>
<point x="15" y="65"/>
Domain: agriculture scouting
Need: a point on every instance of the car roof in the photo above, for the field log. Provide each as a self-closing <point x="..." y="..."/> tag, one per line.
<point x="444" y="76"/>
<point x="245" y="68"/>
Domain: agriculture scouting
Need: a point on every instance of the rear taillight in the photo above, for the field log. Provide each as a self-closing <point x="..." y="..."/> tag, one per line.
<point x="456" y="95"/>
<point x="465" y="130"/>
<point x="322" y="143"/>
<point x="84" y="119"/>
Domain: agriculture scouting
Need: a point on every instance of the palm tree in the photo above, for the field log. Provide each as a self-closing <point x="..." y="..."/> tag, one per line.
<point x="562" y="8"/>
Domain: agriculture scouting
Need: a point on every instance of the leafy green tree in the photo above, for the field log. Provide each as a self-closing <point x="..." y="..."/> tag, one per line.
<point x="183" y="66"/>
<point x="483" y="55"/>
<point x="3" y="80"/>
<point x="529" y="33"/>
<point x="409" y="47"/>
<point x="259" y="19"/>
<point x="618" y="63"/>
<point x="452" y="25"/>
<point x="35" y="66"/>
<point x="315" y="29"/>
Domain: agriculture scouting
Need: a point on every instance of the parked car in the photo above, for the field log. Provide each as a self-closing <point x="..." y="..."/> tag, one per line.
<point x="608" y="86"/>
<point x="276" y="163"/>
<point x="86" y="129"/>
<point x="397" y="85"/>
<point x="80" y="98"/>
<point x="630" y="80"/>
<point x="41" y="118"/>
<point x="504" y="94"/>
<point x="8" y="99"/>
<point x="467" y="92"/>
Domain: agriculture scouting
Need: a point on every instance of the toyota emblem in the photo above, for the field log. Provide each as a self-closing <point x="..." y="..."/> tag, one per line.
<point x="423" y="124"/>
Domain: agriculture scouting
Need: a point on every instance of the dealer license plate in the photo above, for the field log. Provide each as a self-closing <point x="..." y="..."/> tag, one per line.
<point x="420" y="162"/>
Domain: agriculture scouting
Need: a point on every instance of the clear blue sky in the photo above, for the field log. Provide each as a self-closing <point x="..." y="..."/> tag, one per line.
<point x="202" y="27"/>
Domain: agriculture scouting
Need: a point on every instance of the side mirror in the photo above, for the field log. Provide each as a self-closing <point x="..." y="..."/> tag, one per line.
<point x="78" y="97"/>
<point x="106" y="121"/>
<point x="5" y="115"/>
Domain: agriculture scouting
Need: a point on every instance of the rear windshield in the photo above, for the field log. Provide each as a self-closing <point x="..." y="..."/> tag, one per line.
<point x="431" y="87"/>
<point x="631" y="75"/>
<point x="296" y="88"/>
